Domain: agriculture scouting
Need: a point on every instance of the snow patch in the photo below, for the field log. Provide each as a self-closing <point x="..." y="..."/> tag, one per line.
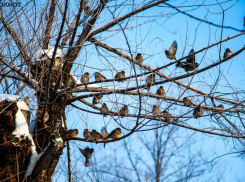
<point x="10" y="98"/>
<point x="22" y="105"/>
<point x="50" y="51"/>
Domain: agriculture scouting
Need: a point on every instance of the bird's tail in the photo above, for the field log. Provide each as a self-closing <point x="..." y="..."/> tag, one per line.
<point x="87" y="164"/>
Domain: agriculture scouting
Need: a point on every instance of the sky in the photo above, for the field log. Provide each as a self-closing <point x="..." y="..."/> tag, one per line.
<point x="152" y="36"/>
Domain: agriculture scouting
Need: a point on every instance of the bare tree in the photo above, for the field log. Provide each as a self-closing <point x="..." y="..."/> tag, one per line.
<point x="47" y="47"/>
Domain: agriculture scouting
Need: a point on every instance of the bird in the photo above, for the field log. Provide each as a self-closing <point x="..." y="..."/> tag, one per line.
<point x="197" y="112"/>
<point x="97" y="99"/>
<point x="104" y="109"/>
<point x="115" y="134"/>
<point x="71" y="81"/>
<point x="187" y="66"/>
<point x="120" y="75"/>
<point x="172" y="51"/>
<point x="191" y="58"/>
<point x="96" y="136"/>
<point x="87" y="10"/>
<point x="227" y="53"/>
<point x="187" y="102"/>
<point x="139" y="58"/>
<point x="87" y="153"/>
<point x="167" y="116"/>
<point x="99" y="77"/>
<point x="87" y="134"/>
<point x="104" y="132"/>
<point x="85" y="78"/>
<point x="156" y="111"/>
<point x="150" y="80"/>
<point x="71" y="133"/>
<point x="124" y="111"/>
<point x="220" y="107"/>
<point x="160" y="91"/>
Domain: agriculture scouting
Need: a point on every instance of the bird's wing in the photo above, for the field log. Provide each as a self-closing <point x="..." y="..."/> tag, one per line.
<point x="191" y="59"/>
<point x="103" y="76"/>
<point x="173" y="48"/>
<point x="82" y="151"/>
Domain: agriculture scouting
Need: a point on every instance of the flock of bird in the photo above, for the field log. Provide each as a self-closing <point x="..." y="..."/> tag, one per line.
<point x="188" y="65"/>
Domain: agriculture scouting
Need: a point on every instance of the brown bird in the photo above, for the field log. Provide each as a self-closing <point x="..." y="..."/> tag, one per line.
<point x="160" y="91"/>
<point x="115" y="134"/>
<point x="71" y="133"/>
<point x="86" y="134"/>
<point x="124" y="111"/>
<point x="96" y="136"/>
<point x="172" y="51"/>
<point x="97" y="99"/>
<point x="150" y="80"/>
<point x="85" y="78"/>
<point x="120" y="75"/>
<point x="227" y="53"/>
<point x="87" y="10"/>
<point x="167" y="116"/>
<point x="87" y="153"/>
<point x="187" y="66"/>
<point x="187" y="102"/>
<point x="197" y="112"/>
<point x="156" y="111"/>
<point x="139" y="58"/>
<point x="104" y="109"/>
<point x="220" y="107"/>
<point x="71" y="81"/>
<point x="99" y="77"/>
<point x="191" y="58"/>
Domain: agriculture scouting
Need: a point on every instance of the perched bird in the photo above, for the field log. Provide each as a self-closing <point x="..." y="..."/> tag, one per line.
<point x="191" y="58"/>
<point x="124" y="111"/>
<point x="99" y="77"/>
<point x="187" y="102"/>
<point x="220" y="107"/>
<point x="87" y="10"/>
<point x="139" y="58"/>
<point x="187" y="66"/>
<point x="104" y="109"/>
<point x="104" y="132"/>
<point x="85" y="78"/>
<point x="71" y="81"/>
<point x="120" y="75"/>
<point x="27" y="100"/>
<point x="167" y="116"/>
<point x="116" y="133"/>
<point x="71" y="133"/>
<point x="97" y="99"/>
<point x="150" y="80"/>
<point x="197" y="112"/>
<point x="87" y="153"/>
<point x="96" y="136"/>
<point x="86" y="134"/>
<point x="227" y="53"/>
<point x="172" y="51"/>
<point x="160" y="91"/>
<point x="156" y="111"/>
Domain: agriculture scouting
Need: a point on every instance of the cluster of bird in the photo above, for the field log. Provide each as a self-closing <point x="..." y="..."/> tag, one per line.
<point x="96" y="136"/>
